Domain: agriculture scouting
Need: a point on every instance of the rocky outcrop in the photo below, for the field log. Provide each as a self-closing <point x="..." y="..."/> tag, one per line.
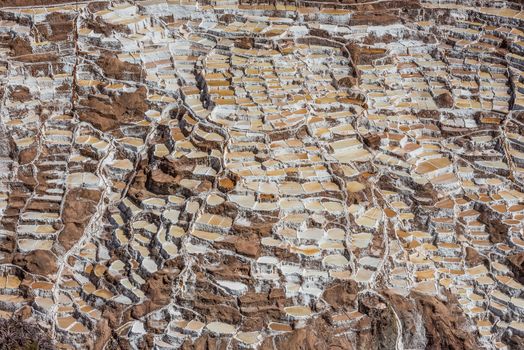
<point x="430" y="323"/>
<point x="41" y="262"/>
<point x="109" y="112"/>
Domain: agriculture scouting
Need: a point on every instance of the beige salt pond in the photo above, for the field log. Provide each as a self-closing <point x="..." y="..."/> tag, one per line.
<point x="221" y="328"/>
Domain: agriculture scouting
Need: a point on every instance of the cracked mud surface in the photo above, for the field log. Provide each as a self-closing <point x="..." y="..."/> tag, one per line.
<point x="282" y="175"/>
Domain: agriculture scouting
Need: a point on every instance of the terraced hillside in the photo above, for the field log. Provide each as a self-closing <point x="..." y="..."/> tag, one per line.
<point x="179" y="174"/>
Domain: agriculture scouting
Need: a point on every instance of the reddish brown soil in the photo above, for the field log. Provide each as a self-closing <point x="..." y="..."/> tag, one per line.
<point x="444" y="100"/>
<point x="116" y="69"/>
<point x="41" y="262"/>
<point x="80" y="205"/>
<point x="108" y="114"/>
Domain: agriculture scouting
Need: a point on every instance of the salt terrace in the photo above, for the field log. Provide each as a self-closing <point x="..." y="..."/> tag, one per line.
<point x="263" y="175"/>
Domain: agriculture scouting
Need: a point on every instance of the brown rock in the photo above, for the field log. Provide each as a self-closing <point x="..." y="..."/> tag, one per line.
<point x="321" y="33"/>
<point x="206" y="342"/>
<point x="159" y="285"/>
<point x="108" y="112"/>
<point x="227" y="18"/>
<point x="80" y="204"/>
<point x="498" y="231"/>
<point x="70" y="234"/>
<point x="24" y="312"/>
<point x="58" y="27"/>
<point x="245" y="43"/>
<point x="473" y="258"/>
<point x="261" y="229"/>
<point x="277" y="293"/>
<point x="348" y="82"/>
<point x="116" y="69"/>
<point x="413" y="332"/>
<point x="444" y="100"/>
<point x="514" y="341"/>
<point x="384" y="328"/>
<point x="230" y="268"/>
<point x="160" y="182"/>
<point x="20" y="46"/>
<point x="253" y="297"/>
<point x="26" y="176"/>
<point x="41" y="262"/>
<point x="43" y="206"/>
<point x="79" y="207"/>
<point x="219" y="312"/>
<point x="372" y="141"/>
<point x="247" y="247"/>
<point x="341" y="295"/>
<point x="517" y="265"/>
<point x="444" y="323"/>
<point x="21" y="94"/>
<point x="317" y="335"/>
<point x="140" y="310"/>
<point x="23" y="334"/>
